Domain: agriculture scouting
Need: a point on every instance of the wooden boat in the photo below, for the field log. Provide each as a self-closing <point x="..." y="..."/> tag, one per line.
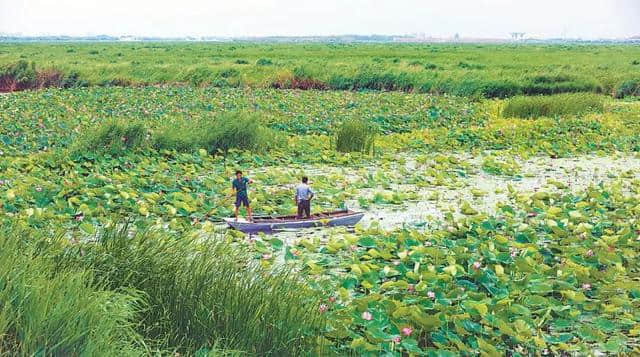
<point x="275" y="223"/>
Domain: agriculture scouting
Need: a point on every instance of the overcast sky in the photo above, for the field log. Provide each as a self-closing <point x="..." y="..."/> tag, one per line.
<point x="469" y="18"/>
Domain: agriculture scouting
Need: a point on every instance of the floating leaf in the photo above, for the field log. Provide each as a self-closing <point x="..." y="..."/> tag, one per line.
<point x="87" y="228"/>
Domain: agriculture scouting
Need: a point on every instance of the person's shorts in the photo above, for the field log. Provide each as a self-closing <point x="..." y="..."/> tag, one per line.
<point x="242" y="201"/>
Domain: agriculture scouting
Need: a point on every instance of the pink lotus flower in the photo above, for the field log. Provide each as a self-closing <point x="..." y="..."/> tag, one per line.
<point x="323" y="307"/>
<point x="514" y="253"/>
<point x="431" y="294"/>
<point x="586" y="286"/>
<point x="266" y="256"/>
<point x="1" y="182"/>
<point x="396" y="339"/>
<point x="477" y="265"/>
<point x="353" y="247"/>
<point x="407" y="331"/>
<point x="332" y="299"/>
<point x="589" y="253"/>
<point x="410" y="288"/>
<point x="367" y="316"/>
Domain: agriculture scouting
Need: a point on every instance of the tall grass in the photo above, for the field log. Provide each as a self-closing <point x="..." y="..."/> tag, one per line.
<point x="179" y="136"/>
<point x="205" y="293"/>
<point x="114" y="137"/>
<point x="23" y="75"/>
<point x="46" y="310"/>
<point x="216" y="135"/>
<point x="551" y="106"/>
<point x="301" y="77"/>
<point x="238" y="131"/>
<point x="264" y="62"/>
<point x="199" y="76"/>
<point x="18" y="76"/>
<point x="628" y="88"/>
<point x="367" y="78"/>
<point x="356" y="135"/>
<point x="126" y="294"/>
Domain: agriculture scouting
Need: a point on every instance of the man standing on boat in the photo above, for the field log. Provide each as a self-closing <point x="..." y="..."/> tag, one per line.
<point x="239" y="186"/>
<point x="304" y="194"/>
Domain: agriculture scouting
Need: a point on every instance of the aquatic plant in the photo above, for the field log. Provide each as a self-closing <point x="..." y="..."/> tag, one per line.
<point x="551" y="106"/>
<point x="356" y="135"/>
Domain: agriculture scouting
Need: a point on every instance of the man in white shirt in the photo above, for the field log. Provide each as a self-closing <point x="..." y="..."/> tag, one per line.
<point x="304" y="194"/>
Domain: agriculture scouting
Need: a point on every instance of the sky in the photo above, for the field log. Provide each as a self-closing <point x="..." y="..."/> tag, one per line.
<point x="470" y="18"/>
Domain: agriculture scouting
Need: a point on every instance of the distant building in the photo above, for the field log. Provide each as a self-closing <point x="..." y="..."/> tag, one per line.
<point x="517" y="36"/>
<point x="128" y="38"/>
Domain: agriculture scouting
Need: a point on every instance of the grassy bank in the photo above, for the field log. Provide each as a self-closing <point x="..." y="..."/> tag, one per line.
<point x="51" y="311"/>
<point x="135" y="294"/>
<point x="467" y="70"/>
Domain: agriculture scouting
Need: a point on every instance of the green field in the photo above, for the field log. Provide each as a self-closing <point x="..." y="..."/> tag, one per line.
<point x="464" y="70"/>
<point x="493" y="226"/>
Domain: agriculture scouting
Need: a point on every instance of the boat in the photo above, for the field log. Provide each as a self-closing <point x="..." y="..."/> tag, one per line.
<point x="279" y="223"/>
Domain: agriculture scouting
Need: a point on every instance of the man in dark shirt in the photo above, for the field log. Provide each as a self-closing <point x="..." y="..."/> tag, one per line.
<point x="239" y="185"/>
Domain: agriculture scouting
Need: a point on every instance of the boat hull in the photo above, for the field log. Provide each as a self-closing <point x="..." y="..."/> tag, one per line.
<point x="348" y="219"/>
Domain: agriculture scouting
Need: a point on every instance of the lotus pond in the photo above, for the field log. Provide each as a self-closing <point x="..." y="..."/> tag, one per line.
<point x="482" y="235"/>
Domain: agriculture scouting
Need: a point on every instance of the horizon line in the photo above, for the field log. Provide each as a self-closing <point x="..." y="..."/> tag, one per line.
<point x="411" y="36"/>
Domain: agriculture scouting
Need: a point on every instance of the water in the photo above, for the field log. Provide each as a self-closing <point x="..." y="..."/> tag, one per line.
<point x="535" y="174"/>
